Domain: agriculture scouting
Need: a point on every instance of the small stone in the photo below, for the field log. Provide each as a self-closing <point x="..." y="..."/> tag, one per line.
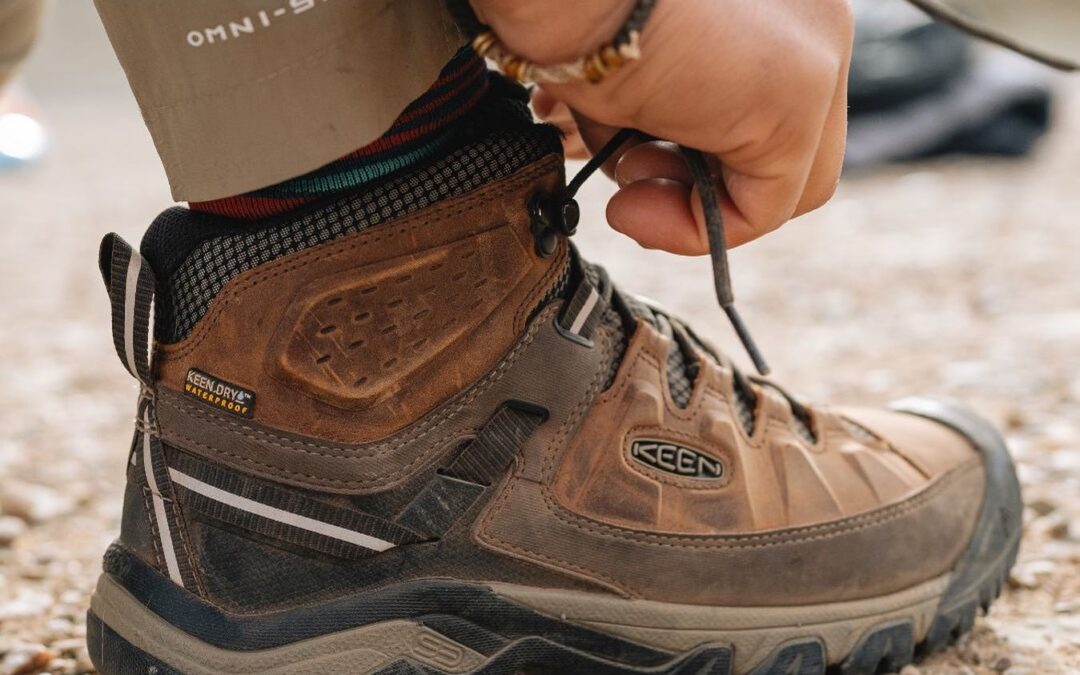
<point x="910" y="670"/>
<point x="26" y="659"/>
<point x="68" y="647"/>
<point x="1054" y="525"/>
<point x="64" y="666"/>
<point x="1020" y="578"/>
<point x="58" y="628"/>
<point x="1067" y="606"/>
<point x="11" y="528"/>
<point x="1003" y="664"/>
<point x="83" y="664"/>
<point x="1014" y="419"/>
<point x="71" y="597"/>
<point x="1042" y="507"/>
<point x="25" y="605"/>
<point x="1041" y="567"/>
<point x="34" y="503"/>
<point x="1066" y="460"/>
<point x="1029" y="575"/>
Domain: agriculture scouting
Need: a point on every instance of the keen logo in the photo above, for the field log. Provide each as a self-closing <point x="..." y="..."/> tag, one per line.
<point x="219" y="393"/>
<point x="676" y="459"/>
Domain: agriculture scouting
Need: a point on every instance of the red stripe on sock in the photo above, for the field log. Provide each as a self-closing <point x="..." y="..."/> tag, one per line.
<point x="249" y="207"/>
<point x="445" y="109"/>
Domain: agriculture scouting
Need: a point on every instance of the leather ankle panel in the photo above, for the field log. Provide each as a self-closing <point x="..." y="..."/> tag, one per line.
<point x="355" y="339"/>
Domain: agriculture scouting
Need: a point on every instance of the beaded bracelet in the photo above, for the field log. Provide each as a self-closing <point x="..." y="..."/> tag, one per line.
<point x="593" y="68"/>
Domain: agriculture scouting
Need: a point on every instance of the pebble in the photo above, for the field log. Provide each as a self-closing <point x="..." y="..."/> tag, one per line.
<point x="68" y="647"/>
<point x="910" y="670"/>
<point x="1055" y="525"/>
<point x="1067" y="606"/>
<point x="83" y="664"/>
<point x="1066" y="460"/>
<point x="11" y="528"/>
<point x="25" y="659"/>
<point x="58" y="628"/>
<point x="27" y="603"/>
<point x="34" y="503"/>
<point x="1014" y="419"/>
<point x="1029" y="575"/>
<point x="73" y="651"/>
<point x="72" y="597"/>
<point x="1042" y="507"/>
<point x="64" y="666"/>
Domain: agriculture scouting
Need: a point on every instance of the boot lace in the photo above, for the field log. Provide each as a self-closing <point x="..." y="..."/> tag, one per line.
<point x="564" y="216"/>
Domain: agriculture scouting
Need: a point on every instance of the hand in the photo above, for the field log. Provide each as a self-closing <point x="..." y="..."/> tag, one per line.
<point x="555" y="112"/>
<point x="759" y="85"/>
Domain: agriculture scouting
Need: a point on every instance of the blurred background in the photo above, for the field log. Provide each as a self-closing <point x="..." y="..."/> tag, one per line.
<point x="947" y="263"/>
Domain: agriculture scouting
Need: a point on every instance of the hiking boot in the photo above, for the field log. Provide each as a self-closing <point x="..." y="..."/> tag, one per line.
<point x="412" y="431"/>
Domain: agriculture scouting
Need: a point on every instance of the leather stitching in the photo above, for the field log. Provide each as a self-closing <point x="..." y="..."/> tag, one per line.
<point x="764" y="540"/>
<point x="379" y="449"/>
<point x="554" y="448"/>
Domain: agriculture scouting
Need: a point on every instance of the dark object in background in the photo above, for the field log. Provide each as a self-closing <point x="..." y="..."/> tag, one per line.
<point x="920" y="89"/>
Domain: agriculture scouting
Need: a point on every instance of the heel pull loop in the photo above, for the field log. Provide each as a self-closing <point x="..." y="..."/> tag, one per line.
<point x="130" y="284"/>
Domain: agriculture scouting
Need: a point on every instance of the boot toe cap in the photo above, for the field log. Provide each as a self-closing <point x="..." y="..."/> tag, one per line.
<point x="996" y="537"/>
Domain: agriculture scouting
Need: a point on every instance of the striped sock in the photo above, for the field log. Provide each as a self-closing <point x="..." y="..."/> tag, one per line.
<point x="422" y="130"/>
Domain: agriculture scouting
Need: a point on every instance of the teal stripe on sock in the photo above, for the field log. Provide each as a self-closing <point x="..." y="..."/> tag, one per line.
<point x="354" y="176"/>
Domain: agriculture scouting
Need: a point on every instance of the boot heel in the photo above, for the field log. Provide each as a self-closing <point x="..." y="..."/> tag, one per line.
<point x="113" y="655"/>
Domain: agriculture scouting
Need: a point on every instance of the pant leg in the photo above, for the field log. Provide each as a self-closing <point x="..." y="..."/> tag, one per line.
<point x="241" y="94"/>
<point x="19" y="21"/>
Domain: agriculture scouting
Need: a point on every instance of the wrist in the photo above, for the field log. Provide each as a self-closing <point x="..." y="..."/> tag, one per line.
<point x="618" y="98"/>
<point x="532" y="30"/>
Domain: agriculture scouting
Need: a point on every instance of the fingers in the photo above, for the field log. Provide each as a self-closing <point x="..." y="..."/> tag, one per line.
<point x="655" y="159"/>
<point x="656" y="213"/>
<point x="553" y="111"/>
<point x="829" y="161"/>
<point x="654" y="203"/>
<point x="665" y="214"/>
<point x="791" y="153"/>
<point x="658" y="205"/>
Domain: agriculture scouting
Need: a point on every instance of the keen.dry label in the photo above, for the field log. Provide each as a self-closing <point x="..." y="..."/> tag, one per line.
<point x="219" y="393"/>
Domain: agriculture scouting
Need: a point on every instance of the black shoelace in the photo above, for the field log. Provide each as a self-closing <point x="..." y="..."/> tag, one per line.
<point x="564" y="215"/>
<point x="714" y="229"/>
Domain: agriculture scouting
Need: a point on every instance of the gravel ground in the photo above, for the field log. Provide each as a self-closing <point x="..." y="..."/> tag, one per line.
<point x="958" y="278"/>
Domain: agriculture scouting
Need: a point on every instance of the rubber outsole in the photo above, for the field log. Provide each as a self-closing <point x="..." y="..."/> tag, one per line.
<point x="509" y="637"/>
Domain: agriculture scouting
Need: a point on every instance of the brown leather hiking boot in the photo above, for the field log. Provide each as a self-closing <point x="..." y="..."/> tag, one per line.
<point x="411" y="431"/>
